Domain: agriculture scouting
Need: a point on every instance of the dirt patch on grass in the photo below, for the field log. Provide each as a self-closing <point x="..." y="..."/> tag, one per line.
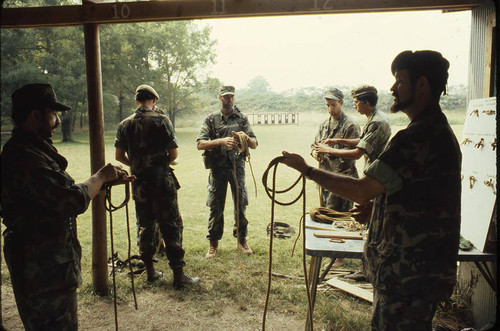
<point x="163" y="310"/>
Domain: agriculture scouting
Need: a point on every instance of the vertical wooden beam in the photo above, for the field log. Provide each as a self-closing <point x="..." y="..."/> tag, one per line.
<point x="96" y="135"/>
<point x="488" y="55"/>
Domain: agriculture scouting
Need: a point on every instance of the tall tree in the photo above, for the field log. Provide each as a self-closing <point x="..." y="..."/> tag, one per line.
<point x="171" y="56"/>
<point x="182" y="52"/>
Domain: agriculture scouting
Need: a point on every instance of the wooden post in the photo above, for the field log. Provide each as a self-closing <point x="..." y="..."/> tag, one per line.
<point x="96" y="135"/>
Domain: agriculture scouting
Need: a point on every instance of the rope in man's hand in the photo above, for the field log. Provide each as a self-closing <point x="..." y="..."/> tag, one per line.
<point x="110" y="207"/>
<point x="271" y="193"/>
<point x="242" y="139"/>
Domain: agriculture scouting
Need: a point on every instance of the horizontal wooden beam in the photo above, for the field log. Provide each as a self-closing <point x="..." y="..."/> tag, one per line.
<point x="167" y="10"/>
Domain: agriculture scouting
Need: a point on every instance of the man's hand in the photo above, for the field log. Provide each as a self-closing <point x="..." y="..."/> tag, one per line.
<point x="330" y="142"/>
<point x="315" y="155"/>
<point x="115" y="174"/>
<point x="295" y="161"/>
<point x="229" y="142"/>
<point x="322" y="148"/>
<point x="362" y="213"/>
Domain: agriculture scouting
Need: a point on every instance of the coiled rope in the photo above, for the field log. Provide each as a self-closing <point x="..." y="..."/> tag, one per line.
<point x="271" y="193"/>
<point x="110" y="207"/>
<point x="242" y="148"/>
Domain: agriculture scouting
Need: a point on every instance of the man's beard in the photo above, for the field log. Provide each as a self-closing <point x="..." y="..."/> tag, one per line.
<point x="398" y="105"/>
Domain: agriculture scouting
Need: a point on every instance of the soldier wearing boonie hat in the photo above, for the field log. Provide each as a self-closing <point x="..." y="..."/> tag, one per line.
<point x="40" y="202"/>
<point x="338" y="125"/>
<point x="145" y="141"/>
<point x="219" y="136"/>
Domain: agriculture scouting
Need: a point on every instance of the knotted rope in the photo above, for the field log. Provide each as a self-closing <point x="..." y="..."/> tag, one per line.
<point x="110" y="207"/>
<point x="271" y="193"/>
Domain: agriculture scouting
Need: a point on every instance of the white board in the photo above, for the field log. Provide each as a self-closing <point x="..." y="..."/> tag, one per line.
<point x="479" y="171"/>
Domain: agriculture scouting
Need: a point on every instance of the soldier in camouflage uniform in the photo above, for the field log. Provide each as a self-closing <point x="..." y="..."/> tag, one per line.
<point x="372" y="142"/>
<point x="39" y="203"/>
<point x="412" y="248"/>
<point x="145" y="141"/>
<point x="337" y="126"/>
<point x="219" y="139"/>
<point x="376" y="132"/>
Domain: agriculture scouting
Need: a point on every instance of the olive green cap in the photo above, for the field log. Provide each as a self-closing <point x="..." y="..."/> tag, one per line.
<point x="147" y="88"/>
<point x="363" y="90"/>
<point x="334" y="94"/>
<point x="224" y="90"/>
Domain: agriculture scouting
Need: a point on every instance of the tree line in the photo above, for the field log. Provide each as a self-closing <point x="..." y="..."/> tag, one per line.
<point x="171" y="56"/>
<point x="174" y="57"/>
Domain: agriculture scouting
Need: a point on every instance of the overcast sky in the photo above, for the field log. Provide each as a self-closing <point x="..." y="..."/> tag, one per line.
<point x="328" y="50"/>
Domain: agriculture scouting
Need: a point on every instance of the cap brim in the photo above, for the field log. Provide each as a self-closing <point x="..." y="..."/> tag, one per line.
<point x="60" y="107"/>
<point x="333" y="98"/>
<point x="226" y="93"/>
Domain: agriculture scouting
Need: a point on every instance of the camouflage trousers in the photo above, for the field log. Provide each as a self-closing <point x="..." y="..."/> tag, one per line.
<point x="332" y="201"/>
<point x="156" y="207"/>
<point x="217" y="189"/>
<point x="402" y="313"/>
<point x="50" y="311"/>
<point x="44" y="279"/>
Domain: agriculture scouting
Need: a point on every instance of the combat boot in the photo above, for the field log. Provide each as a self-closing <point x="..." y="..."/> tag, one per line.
<point x="212" y="250"/>
<point x="181" y="279"/>
<point x="151" y="271"/>
<point x="244" y="248"/>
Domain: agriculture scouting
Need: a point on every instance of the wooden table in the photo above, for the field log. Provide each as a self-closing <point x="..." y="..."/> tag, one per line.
<point x="319" y="248"/>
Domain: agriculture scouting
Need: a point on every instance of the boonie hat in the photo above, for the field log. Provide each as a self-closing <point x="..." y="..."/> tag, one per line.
<point x="147" y="88"/>
<point x="363" y="90"/>
<point x="35" y="96"/>
<point x="334" y="94"/>
<point x="224" y="90"/>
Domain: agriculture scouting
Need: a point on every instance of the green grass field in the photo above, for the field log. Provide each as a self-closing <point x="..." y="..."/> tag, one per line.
<point x="232" y="276"/>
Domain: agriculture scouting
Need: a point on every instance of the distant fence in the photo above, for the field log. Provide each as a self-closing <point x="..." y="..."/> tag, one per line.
<point x="274" y="119"/>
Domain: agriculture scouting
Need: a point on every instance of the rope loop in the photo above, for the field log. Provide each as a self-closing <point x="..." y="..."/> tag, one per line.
<point x="111" y="208"/>
<point x="271" y="192"/>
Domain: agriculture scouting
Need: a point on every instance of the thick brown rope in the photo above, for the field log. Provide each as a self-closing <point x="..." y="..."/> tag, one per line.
<point x="271" y="192"/>
<point x="243" y="148"/>
<point x="327" y="215"/>
<point x="110" y="207"/>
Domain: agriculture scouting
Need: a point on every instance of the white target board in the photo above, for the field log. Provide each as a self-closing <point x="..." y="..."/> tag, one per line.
<point x="479" y="171"/>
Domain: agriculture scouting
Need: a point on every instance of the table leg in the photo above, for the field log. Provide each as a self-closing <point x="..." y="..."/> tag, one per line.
<point x="313" y="284"/>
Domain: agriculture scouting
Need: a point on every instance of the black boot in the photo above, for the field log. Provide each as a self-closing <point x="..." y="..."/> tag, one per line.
<point x="151" y="271"/>
<point x="181" y="279"/>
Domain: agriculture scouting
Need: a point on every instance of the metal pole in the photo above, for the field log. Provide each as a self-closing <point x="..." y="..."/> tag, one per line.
<point x="96" y="135"/>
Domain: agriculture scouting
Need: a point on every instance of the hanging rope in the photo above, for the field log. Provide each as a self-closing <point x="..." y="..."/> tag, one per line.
<point x="271" y="193"/>
<point x="243" y="148"/>
<point x="110" y="207"/>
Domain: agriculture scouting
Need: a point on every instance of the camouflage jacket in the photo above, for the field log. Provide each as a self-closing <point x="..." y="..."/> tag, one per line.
<point x="343" y="128"/>
<point x="376" y="133"/>
<point x="147" y="136"/>
<point x="216" y="125"/>
<point x="39" y="203"/>
<point x="412" y="245"/>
